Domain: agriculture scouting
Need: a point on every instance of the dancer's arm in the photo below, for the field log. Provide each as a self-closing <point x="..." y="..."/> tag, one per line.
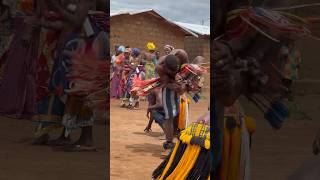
<point x="158" y="103"/>
<point x="155" y="106"/>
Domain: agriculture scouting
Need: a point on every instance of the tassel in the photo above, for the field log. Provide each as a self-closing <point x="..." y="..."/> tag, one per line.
<point x="190" y="158"/>
<point x="274" y="119"/>
<point x="280" y="108"/>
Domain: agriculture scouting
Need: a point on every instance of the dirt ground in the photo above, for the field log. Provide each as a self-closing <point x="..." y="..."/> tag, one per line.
<point x="274" y="155"/>
<point x="135" y="154"/>
<point x="19" y="160"/>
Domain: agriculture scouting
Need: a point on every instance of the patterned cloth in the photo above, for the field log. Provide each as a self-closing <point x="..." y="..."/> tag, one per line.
<point x="150" y="70"/>
<point x="78" y="114"/>
<point x="51" y="98"/>
<point x="292" y="64"/>
<point x="17" y="91"/>
<point x="170" y="100"/>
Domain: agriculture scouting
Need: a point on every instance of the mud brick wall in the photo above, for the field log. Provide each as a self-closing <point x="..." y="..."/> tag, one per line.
<point x="198" y="47"/>
<point x="206" y="48"/>
<point x="137" y="30"/>
<point x="194" y="46"/>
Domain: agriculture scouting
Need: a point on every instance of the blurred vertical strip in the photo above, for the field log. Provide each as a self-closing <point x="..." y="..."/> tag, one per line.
<point x="213" y="121"/>
<point x="105" y="4"/>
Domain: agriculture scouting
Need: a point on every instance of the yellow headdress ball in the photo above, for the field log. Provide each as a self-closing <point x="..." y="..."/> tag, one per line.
<point x="151" y="46"/>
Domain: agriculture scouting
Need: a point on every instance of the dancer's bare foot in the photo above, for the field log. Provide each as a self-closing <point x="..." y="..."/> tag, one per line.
<point x="148" y="129"/>
<point x="84" y="144"/>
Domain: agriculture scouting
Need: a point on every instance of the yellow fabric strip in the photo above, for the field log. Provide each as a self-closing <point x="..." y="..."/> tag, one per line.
<point x="223" y="172"/>
<point x="184" y="103"/>
<point x="231" y="149"/>
<point x="192" y="158"/>
<point x="186" y="163"/>
<point x="170" y="161"/>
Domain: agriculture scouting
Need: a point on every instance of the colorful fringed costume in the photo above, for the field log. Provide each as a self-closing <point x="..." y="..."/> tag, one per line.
<point x="190" y="74"/>
<point x="190" y="158"/>
<point x="77" y="80"/>
<point x="273" y="67"/>
<point x="268" y="23"/>
<point x="88" y="77"/>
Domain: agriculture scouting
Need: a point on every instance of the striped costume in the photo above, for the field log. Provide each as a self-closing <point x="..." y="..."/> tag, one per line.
<point x="170" y="100"/>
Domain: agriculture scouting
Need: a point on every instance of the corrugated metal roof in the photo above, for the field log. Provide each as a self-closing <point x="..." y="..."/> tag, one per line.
<point x="133" y="12"/>
<point x="199" y="29"/>
<point x="130" y="12"/>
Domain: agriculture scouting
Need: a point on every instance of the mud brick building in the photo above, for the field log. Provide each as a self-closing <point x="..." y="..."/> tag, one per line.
<point x="200" y="45"/>
<point x="137" y="28"/>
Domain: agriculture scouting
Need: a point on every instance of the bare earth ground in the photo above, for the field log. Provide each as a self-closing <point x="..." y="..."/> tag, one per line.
<point x="275" y="154"/>
<point x="19" y="160"/>
<point x="135" y="154"/>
